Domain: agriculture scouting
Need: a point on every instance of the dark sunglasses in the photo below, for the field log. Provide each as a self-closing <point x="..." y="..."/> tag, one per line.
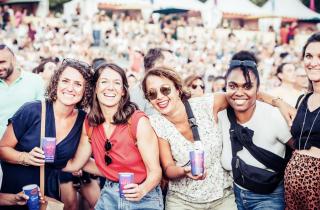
<point x="245" y="63"/>
<point x="107" y="147"/>
<point x="76" y="63"/>
<point x="153" y="93"/>
<point x="196" y="86"/>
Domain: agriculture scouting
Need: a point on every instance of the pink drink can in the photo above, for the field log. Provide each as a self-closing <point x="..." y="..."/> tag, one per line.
<point x="124" y="179"/>
<point x="49" y="148"/>
<point x="197" y="162"/>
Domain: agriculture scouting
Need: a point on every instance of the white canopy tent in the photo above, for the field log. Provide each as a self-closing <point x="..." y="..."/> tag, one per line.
<point x="193" y="5"/>
<point x="290" y="9"/>
<point x="237" y="7"/>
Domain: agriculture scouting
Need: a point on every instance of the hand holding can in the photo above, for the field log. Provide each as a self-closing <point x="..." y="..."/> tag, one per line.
<point x="49" y="148"/>
<point x="32" y="191"/>
<point x="124" y="179"/>
<point x="197" y="162"/>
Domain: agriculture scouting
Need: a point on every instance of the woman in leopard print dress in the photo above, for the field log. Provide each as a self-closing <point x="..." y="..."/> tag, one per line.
<point x="302" y="175"/>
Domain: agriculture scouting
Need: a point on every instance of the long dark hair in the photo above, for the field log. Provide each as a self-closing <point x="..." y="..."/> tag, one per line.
<point x="125" y="108"/>
<point x="313" y="38"/>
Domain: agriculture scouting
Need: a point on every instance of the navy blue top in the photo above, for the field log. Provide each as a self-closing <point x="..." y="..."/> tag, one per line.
<point x="26" y="125"/>
<point x="314" y="138"/>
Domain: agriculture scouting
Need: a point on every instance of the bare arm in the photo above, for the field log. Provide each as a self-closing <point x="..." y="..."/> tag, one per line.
<point x="287" y="111"/>
<point x="219" y="103"/>
<point x="7" y="199"/>
<point x="82" y="155"/>
<point x="147" y="142"/>
<point x="9" y="154"/>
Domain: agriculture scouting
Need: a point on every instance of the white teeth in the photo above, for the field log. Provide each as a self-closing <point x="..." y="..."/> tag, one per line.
<point x="240" y="101"/>
<point x="68" y="95"/>
<point x="109" y="95"/>
<point x="163" y="104"/>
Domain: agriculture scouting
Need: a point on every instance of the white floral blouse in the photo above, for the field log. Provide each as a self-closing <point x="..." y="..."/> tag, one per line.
<point x="211" y="188"/>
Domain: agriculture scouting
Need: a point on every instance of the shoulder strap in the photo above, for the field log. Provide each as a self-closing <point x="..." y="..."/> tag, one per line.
<point x="244" y="138"/>
<point x="192" y="121"/>
<point x="42" y="134"/>
<point x="299" y="101"/>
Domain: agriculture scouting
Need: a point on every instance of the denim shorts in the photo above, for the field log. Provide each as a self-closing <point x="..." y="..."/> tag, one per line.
<point x="248" y="200"/>
<point x="110" y="199"/>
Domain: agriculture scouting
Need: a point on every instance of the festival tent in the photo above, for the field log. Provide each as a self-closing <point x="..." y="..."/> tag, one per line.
<point x="177" y="5"/>
<point x="237" y="8"/>
<point x="290" y="9"/>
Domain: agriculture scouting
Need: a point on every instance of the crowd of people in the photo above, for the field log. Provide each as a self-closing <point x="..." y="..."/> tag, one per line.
<point x="116" y="92"/>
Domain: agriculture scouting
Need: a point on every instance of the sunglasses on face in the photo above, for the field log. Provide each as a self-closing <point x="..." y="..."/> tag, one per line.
<point x="245" y="63"/>
<point x="107" y="147"/>
<point x="196" y="86"/>
<point x="153" y="93"/>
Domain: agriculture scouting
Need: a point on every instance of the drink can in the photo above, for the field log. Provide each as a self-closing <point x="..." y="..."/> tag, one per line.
<point x="197" y="162"/>
<point x="124" y="179"/>
<point x="32" y="191"/>
<point x="49" y="148"/>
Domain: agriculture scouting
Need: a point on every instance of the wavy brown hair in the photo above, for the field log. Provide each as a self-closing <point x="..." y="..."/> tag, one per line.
<point x="84" y="69"/>
<point x="169" y="74"/>
<point x="125" y="109"/>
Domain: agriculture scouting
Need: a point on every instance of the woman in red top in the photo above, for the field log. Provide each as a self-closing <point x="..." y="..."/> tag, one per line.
<point x="122" y="140"/>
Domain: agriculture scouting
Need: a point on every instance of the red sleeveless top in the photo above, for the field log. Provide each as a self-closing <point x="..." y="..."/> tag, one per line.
<point x="124" y="152"/>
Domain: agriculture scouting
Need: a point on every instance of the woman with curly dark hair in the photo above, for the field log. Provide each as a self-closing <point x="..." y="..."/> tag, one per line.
<point x="122" y="140"/>
<point x="69" y="91"/>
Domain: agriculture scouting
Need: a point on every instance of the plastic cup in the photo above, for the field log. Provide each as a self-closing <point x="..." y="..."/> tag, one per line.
<point x="49" y="148"/>
<point x="197" y="162"/>
<point x="124" y="179"/>
<point x="32" y="191"/>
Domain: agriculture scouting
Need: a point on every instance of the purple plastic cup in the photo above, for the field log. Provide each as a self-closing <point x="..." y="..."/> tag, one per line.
<point x="197" y="162"/>
<point x="124" y="179"/>
<point x="32" y="191"/>
<point x="49" y="148"/>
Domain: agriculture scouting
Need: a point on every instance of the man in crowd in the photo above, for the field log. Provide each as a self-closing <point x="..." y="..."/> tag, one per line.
<point x="269" y="132"/>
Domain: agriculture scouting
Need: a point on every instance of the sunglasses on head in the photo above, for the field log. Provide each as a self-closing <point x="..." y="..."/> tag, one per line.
<point x="107" y="147"/>
<point x="153" y="93"/>
<point x="196" y="86"/>
<point x="245" y="63"/>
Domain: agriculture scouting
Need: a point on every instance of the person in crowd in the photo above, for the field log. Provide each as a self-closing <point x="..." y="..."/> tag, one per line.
<point x="287" y="75"/>
<point x="122" y="140"/>
<point x="218" y="84"/>
<point x="16" y="86"/>
<point x="154" y="57"/>
<point x="242" y="86"/>
<point x="302" y="82"/>
<point x="302" y="175"/>
<point x="132" y="80"/>
<point x="195" y="85"/>
<point x="46" y="69"/>
<point x="163" y="88"/>
<point x="68" y="92"/>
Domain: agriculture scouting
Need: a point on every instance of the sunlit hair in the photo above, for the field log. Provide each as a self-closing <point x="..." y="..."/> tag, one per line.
<point x="169" y="74"/>
<point x="190" y="79"/>
<point x="125" y="109"/>
<point x="313" y="38"/>
<point x="84" y="70"/>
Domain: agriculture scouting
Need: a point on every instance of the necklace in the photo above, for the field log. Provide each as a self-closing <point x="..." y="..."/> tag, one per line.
<point x="304" y="121"/>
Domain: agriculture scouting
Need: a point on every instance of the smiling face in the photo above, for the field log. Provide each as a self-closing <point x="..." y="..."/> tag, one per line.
<point x="165" y="101"/>
<point x="311" y="61"/>
<point x="241" y="94"/>
<point x="109" y="88"/>
<point x="71" y="86"/>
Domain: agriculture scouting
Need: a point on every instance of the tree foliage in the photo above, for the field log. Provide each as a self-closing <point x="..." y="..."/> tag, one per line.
<point x="57" y="5"/>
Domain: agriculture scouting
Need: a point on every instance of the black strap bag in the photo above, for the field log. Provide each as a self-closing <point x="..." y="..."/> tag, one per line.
<point x="255" y="179"/>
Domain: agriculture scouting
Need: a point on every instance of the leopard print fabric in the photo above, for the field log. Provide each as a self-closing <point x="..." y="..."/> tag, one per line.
<point x="302" y="183"/>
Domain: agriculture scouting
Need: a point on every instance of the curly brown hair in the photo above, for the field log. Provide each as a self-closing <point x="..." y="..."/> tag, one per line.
<point x="84" y="69"/>
<point x="170" y="74"/>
